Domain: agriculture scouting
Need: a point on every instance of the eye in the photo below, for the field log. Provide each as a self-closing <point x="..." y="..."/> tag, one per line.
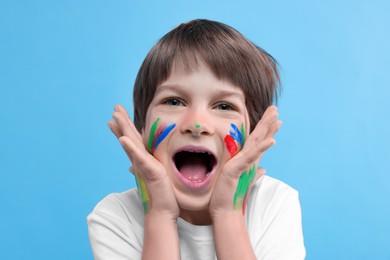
<point x="224" y="106"/>
<point x="173" y="102"/>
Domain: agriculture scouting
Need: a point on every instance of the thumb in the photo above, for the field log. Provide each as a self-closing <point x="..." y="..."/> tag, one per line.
<point x="132" y="170"/>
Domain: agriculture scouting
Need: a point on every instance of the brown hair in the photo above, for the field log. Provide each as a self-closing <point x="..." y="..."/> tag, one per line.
<point x="228" y="54"/>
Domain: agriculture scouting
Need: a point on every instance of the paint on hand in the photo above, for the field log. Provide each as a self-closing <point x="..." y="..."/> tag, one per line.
<point x="234" y="143"/>
<point x="143" y="192"/>
<point x="243" y="188"/>
<point x="157" y="134"/>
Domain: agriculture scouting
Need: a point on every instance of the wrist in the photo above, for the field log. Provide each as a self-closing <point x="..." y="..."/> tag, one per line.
<point x="227" y="228"/>
<point x="160" y="217"/>
<point x="161" y="238"/>
<point x="226" y="215"/>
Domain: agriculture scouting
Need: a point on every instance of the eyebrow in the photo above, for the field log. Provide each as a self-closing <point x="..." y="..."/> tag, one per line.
<point x="166" y="87"/>
<point x="221" y="93"/>
<point x="224" y="93"/>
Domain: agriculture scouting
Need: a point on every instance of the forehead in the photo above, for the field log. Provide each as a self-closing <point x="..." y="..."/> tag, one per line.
<point x="198" y="75"/>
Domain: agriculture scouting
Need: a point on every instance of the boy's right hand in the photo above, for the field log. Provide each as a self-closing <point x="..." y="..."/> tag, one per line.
<point x="162" y="198"/>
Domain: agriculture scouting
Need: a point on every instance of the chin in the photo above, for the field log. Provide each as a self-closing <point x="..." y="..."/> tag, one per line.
<point x="193" y="202"/>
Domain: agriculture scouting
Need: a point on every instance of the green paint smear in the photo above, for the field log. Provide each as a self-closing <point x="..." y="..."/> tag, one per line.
<point x="244" y="182"/>
<point x="143" y="192"/>
<point x="243" y="134"/>
<point x="197" y="125"/>
<point x="151" y="135"/>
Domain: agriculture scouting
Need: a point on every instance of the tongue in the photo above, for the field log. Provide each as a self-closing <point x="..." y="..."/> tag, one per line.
<point x="194" y="169"/>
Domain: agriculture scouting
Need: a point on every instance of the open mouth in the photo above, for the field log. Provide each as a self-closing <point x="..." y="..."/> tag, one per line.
<point x="194" y="165"/>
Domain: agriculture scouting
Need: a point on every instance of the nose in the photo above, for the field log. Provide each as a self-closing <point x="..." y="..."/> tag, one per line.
<point x="197" y="124"/>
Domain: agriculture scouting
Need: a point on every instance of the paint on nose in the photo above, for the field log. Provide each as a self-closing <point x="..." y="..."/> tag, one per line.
<point x="197" y="124"/>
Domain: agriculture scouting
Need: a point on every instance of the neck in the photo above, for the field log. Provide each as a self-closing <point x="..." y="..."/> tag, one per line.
<point x="200" y="218"/>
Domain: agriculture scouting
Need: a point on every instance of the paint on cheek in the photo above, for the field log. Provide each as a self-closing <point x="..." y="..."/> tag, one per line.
<point x="151" y="135"/>
<point x="237" y="135"/>
<point x="160" y="128"/>
<point x="231" y="145"/>
<point x="163" y="134"/>
<point x="235" y="139"/>
<point x="157" y="134"/>
<point x="243" y="134"/>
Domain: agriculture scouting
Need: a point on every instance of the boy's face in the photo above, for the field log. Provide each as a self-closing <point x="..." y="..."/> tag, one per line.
<point x="194" y="152"/>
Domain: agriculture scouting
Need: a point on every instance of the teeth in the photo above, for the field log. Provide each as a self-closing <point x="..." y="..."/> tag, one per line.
<point x="193" y="151"/>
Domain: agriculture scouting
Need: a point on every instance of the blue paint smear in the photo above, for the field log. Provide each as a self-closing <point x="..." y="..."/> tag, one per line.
<point x="236" y="134"/>
<point x="164" y="134"/>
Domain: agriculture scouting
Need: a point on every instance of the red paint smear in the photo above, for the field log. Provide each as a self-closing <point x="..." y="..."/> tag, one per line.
<point x="231" y="145"/>
<point x="159" y="130"/>
<point x="246" y="199"/>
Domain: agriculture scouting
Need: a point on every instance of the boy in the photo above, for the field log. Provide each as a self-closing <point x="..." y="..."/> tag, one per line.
<point x="195" y="144"/>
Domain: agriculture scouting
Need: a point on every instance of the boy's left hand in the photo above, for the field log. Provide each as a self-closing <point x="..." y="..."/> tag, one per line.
<point x="260" y="140"/>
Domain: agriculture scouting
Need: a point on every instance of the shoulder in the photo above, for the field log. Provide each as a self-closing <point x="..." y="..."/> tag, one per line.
<point x="269" y="189"/>
<point x="115" y="226"/>
<point x="269" y="196"/>
<point x="122" y="207"/>
<point x="274" y="221"/>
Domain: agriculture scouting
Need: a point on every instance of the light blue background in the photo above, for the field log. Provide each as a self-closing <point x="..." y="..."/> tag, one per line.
<point x="65" y="64"/>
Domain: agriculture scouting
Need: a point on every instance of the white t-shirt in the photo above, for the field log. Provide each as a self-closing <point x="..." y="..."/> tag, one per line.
<point x="272" y="216"/>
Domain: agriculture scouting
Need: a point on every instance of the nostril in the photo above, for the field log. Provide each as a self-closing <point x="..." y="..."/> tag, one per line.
<point x="192" y="129"/>
<point x="196" y="128"/>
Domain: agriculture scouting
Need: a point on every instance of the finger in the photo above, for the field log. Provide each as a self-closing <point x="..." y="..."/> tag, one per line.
<point x="269" y="116"/>
<point x="132" y="170"/>
<point x="141" y="159"/>
<point x="273" y="129"/>
<point x="263" y="126"/>
<point x="264" y="130"/>
<point x="114" y="129"/>
<point x="249" y="155"/>
<point x="123" y="110"/>
<point x="125" y="116"/>
<point x="121" y="116"/>
<point x="117" y="132"/>
<point x="124" y="127"/>
<point x="125" y="148"/>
